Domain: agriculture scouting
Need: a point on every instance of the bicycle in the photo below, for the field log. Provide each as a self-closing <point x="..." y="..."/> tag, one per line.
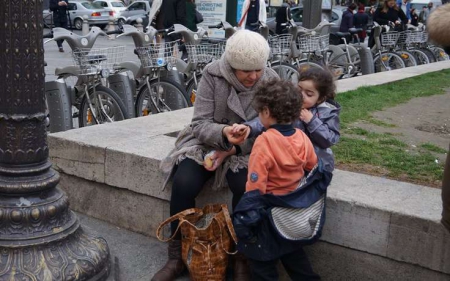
<point x="155" y="92"/>
<point x="96" y="104"/>
<point x="384" y="59"/>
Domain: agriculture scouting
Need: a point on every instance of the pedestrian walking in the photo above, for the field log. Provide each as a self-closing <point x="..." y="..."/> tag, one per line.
<point x="282" y="16"/>
<point x="361" y="20"/>
<point x="423" y="15"/>
<point x="347" y="21"/>
<point x="253" y="11"/>
<point x="405" y="5"/>
<point x="59" y="9"/>
<point x="164" y="14"/>
<point x="224" y="97"/>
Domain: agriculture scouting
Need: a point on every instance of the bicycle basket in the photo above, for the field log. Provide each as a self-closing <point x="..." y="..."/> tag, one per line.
<point x="281" y="44"/>
<point x="205" y="52"/>
<point x="92" y="61"/>
<point x="158" y="54"/>
<point x="389" y="38"/>
<point x="312" y="43"/>
<point x="424" y="36"/>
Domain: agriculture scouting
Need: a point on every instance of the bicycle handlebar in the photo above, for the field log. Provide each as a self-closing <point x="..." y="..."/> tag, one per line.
<point x="116" y="31"/>
<point x="76" y="41"/>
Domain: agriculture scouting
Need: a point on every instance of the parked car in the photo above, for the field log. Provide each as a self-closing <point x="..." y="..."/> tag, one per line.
<point x="96" y="14"/>
<point x="297" y="16"/>
<point x="114" y="5"/>
<point x="135" y="10"/>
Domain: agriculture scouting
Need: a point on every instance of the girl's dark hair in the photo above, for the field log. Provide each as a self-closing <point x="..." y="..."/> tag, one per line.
<point x="282" y="98"/>
<point x="323" y="81"/>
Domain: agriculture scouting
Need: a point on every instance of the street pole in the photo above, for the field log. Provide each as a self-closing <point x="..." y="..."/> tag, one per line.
<point x="312" y="13"/>
<point x="40" y="237"/>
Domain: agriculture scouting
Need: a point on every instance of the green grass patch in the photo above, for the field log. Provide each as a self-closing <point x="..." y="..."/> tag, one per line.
<point x="381" y="123"/>
<point x="433" y="148"/>
<point x="360" y="146"/>
<point x="360" y="103"/>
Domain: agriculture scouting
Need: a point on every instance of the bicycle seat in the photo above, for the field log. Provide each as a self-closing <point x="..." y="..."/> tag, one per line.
<point x="354" y="30"/>
<point x="72" y="70"/>
<point x="95" y="58"/>
<point x="342" y="34"/>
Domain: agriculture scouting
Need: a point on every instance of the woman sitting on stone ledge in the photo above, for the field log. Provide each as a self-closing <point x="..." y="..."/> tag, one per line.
<point x="224" y="97"/>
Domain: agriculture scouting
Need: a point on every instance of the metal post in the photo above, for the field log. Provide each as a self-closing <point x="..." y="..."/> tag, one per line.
<point x="312" y="13"/>
<point x="40" y="237"/>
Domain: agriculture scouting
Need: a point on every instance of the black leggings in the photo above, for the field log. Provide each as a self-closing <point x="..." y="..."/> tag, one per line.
<point x="188" y="182"/>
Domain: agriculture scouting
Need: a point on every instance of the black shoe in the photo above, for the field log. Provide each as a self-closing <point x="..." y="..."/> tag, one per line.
<point x="61" y="50"/>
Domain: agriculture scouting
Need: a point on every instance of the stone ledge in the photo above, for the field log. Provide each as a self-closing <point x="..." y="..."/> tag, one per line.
<point x="110" y="172"/>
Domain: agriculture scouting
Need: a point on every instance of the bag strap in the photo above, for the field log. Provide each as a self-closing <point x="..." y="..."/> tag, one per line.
<point x="175" y="217"/>
<point x="229" y="223"/>
<point x="245" y="14"/>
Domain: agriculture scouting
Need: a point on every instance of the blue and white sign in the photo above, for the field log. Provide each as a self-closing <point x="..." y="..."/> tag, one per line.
<point x="213" y="12"/>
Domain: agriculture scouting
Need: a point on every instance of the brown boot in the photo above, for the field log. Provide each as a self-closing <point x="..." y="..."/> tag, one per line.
<point x="241" y="270"/>
<point x="174" y="266"/>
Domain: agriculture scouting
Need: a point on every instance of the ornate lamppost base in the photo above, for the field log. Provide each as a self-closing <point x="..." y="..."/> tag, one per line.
<point x="77" y="257"/>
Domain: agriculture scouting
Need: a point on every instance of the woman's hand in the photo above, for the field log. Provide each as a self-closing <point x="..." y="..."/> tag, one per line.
<point x="237" y="133"/>
<point x="305" y="115"/>
<point x="217" y="159"/>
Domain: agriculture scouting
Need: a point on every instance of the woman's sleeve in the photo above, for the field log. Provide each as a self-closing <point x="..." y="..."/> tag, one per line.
<point x="402" y="16"/>
<point x="324" y="133"/>
<point x="203" y="126"/>
<point x="378" y="19"/>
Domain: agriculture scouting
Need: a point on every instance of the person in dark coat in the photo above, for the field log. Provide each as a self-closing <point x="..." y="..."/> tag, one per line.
<point x="347" y="18"/>
<point x="414" y="17"/>
<point x="164" y="14"/>
<point x="59" y="9"/>
<point x="190" y="15"/>
<point x="283" y="15"/>
<point x="360" y="20"/>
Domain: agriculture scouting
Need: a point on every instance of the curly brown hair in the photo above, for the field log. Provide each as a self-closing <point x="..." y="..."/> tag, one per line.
<point x="323" y="81"/>
<point x="282" y="98"/>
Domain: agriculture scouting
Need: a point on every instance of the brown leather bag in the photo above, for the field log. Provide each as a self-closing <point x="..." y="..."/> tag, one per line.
<point x="208" y="238"/>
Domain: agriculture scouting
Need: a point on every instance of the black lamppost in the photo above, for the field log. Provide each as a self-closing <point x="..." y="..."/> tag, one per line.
<point x="40" y="238"/>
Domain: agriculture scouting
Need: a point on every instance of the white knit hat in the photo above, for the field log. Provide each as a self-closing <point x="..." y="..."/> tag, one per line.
<point x="247" y="50"/>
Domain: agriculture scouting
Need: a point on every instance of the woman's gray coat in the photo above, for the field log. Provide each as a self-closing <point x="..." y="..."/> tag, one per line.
<point x="221" y="101"/>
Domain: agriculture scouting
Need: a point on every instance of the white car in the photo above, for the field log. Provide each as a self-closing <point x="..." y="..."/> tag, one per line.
<point x="116" y="6"/>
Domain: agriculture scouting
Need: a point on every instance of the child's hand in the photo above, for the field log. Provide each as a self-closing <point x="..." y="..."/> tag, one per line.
<point x="305" y="115"/>
<point x="237" y="133"/>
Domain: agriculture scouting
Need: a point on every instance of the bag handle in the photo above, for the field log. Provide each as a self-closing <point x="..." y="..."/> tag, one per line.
<point x="229" y="223"/>
<point x="175" y="217"/>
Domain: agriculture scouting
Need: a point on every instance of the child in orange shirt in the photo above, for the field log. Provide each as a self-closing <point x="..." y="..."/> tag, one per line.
<point x="277" y="163"/>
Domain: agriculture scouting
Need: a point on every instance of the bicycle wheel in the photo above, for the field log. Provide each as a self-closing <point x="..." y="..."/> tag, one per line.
<point x="106" y="107"/>
<point x="421" y="57"/>
<point x="408" y="57"/>
<point x="191" y="88"/>
<point x="440" y="54"/>
<point x="388" y="61"/>
<point x="286" y="71"/>
<point x="165" y="95"/>
<point x="305" y="65"/>
<point x="431" y="56"/>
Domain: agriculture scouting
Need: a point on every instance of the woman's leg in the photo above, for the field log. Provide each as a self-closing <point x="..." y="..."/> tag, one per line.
<point x="188" y="181"/>
<point x="236" y="182"/>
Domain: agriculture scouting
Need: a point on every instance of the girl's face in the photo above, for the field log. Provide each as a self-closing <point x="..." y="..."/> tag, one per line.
<point x="309" y="92"/>
<point x="391" y="3"/>
<point x="248" y="78"/>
